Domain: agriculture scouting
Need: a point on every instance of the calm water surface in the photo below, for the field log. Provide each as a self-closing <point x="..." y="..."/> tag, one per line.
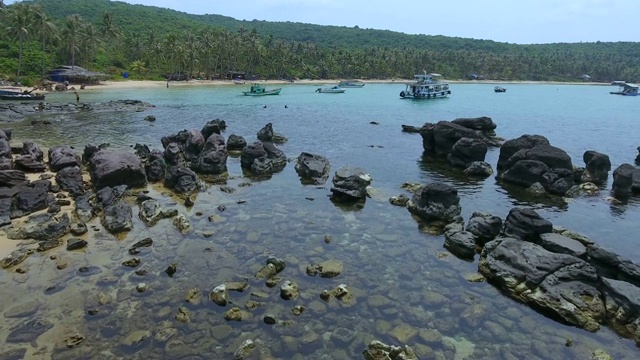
<point x="406" y="287"/>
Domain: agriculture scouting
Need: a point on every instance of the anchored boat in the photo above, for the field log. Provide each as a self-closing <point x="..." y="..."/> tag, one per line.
<point x="426" y="86"/>
<point x="625" y="89"/>
<point x="499" y="89"/>
<point x="351" y="84"/>
<point x="260" y="90"/>
<point x="331" y="90"/>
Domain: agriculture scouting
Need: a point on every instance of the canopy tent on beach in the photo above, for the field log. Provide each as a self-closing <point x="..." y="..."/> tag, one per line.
<point x="76" y="74"/>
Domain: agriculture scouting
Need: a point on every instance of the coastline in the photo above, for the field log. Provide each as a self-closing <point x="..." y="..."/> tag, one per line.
<point x="152" y="84"/>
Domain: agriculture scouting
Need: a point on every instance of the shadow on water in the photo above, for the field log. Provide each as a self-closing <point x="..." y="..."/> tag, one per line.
<point x="439" y="170"/>
<point x="520" y="196"/>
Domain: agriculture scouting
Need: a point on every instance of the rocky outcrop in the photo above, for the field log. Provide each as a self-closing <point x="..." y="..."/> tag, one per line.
<point x="63" y="156"/>
<point x="181" y="179"/>
<point x="70" y="179"/>
<point x="111" y="167"/>
<point x="597" y="168"/>
<point x="31" y="158"/>
<point x="350" y="184"/>
<point x="436" y="202"/>
<point x="213" y="158"/>
<point x="118" y="218"/>
<point x="485" y="227"/>
<point x="530" y="160"/>
<point x="30" y="198"/>
<point x="262" y="158"/>
<point x="19" y="111"/>
<point x="312" y="168"/>
<point x="411" y="129"/>
<point x="236" y="143"/>
<point x="439" y="138"/>
<point x="216" y="126"/>
<point x="266" y="133"/>
<point x="525" y="224"/>
<point x="465" y="151"/>
<point x="623" y="181"/>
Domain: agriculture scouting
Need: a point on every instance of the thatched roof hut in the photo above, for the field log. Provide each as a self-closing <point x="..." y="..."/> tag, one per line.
<point x="76" y="74"/>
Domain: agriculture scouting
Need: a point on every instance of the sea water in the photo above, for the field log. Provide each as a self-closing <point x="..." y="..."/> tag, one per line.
<point x="407" y="287"/>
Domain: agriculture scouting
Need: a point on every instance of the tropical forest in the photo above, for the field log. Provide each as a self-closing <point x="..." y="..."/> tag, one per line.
<point x="148" y="42"/>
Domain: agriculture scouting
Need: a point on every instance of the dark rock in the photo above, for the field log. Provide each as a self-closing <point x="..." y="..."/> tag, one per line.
<point x="483" y="123"/>
<point x="110" y="167"/>
<point x="32" y="149"/>
<point x="118" y="218"/>
<point x="173" y="154"/>
<point x="350" y="184"/>
<point x="563" y="245"/>
<point x="597" y="169"/>
<point x="31" y="158"/>
<point x="156" y="169"/>
<point x="78" y="229"/>
<point x="236" y="143"/>
<point x="461" y="244"/>
<point x="110" y="195"/>
<point x="70" y="179"/>
<point x="312" y="168"/>
<point x="558" y="181"/>
<point x="171" y="269"/>
<point x="89" y="150"/>
<point x="179" y="138"/>
<point x="436" y="201"/>
<point x="465" y="151"/>
<point x="14" y="258"/>
<point x="266" y="133"/>
<point x="526" y="224"/>
<point x="525" y="173"/>
<point x="181" y="179"/>
<point x="76" y="244"/>
<point x="5" y="149"/>
<point x="5" y="211"/>
<point x="150" y="118"/>
<point x="14" y="354"/>
<point x="12" y="177"/>
<point x="215" y="126"/>
<point x="441" y="137"/>
<point x="623" y="181"/>
<point x="638" y="156"/>
<point x="48" y="245"/>
<point x="510" y="147"/>
<point x="31" y="198"/>
<point x="142" y="151"/>
<point x="263" y="158"/>
<point x="213" y="158"/>
<point x="479" y="168"/>
<point x="410" y="129"/>
<point x="46" y="227"/>
<point x="63" y="156"/>
<point x="551" y="156"/>
<point x="485" y="227"/>
<point x="54" y="209"/>
<point x="84" y="209"/>
<point x="29" y="331"/>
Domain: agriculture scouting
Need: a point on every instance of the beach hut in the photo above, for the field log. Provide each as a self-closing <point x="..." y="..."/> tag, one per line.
<point x="76" y="75"/>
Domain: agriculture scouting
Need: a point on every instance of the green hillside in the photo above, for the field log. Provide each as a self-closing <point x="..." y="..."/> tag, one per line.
<point x="151" y="42"/>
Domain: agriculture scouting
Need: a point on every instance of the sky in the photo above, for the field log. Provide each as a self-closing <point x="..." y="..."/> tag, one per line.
<point x="512" y="21"/>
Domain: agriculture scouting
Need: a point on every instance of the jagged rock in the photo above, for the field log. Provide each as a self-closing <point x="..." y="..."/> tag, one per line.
<point x="236" y="143"/>
<point x="410" y="129"/>
<point x="12" y="178"/>
<point x="151" y="212"/>
<point x="439" y="138"/>
<point x="485" y="227"/>
<point x="213" y="158"/>
<point x="623" y="181"/>
<point x="377" y="350"/>
<point x="350" y="184"/>
<point x="156" y="168"/>
<point x="46" y="227"/>
<point x="266" y="133"/>
<point x="436" y="201"/>
<point x="510" y="147"/>
<point x="479" y="168"/>
<point x="215" y="126"/>
<point x="118" y="218"/>
<point x="181" y="179"/>
<point x="289" y="290"/>
<point x="312" y="168"/>
<point x="31" y="198"/>
<point x="110" y="195"/>
<point x="63" y="156"/>
<point x="466" y="151"/>
<point x="70" y="179"/>
<point x="84" y="209"/>
<point x="262" y="158"/>
<point x="597" y="169"/>
<point x="525" y="224"/>
<point x="76" y="244"/>
<point x="110" y="167"/>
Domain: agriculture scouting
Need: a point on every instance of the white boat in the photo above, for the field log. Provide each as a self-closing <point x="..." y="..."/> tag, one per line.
<point x="351" y="84"/>
<point x="426" y="86"/>
<point x="331" y="90"/>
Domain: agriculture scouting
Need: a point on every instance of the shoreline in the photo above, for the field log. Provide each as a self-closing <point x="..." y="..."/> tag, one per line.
<point x="153" y="84"/>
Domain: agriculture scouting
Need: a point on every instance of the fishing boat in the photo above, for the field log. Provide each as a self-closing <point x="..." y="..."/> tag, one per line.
<point x="499" y="89"/>
<point x="331" y="90"/>
<point x="10" y="91"/>
<point x="22" y="97"/>
<point x="351" y="84"/>
<point x="426" y="86"/>
<point x="626" y="89"/>
<point x="260" y="90"/>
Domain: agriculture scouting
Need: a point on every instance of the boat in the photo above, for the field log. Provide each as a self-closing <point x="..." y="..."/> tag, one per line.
<point x="499" y="89"/>
<point x="238" y="82"/>
<point x="260" y="90"/>
<point x="426" y="86"/>
<point x="626" y="89"/>
<point x="10" y="91"/>
<point x="331" y="90"/>
<point x="351" y="84"/>
<point x="22" y="97"/>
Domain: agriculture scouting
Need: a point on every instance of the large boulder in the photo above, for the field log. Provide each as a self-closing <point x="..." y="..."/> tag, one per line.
<point x="156" y="166"/>
<point x="31" y="158"/>
<point x="549" y="155"/>
<point x="263" y="158"/>
<point x="31" y="198"/>
<point x="350" y="184"/>
<point x="483" y="124"/>
<point x="266" y="133"/>
<point x="118" y="218"/>
<point x="181" y="179"/>
<point x="236" y="143"/>
<point x="312" y="168"/>
<point x="623" y="181"/>
<point x="597" y="168"/>
<point x="562" y="286"/>
<point x="70" y="179"/>
<point x="215" y="126"/>
<point x="213" y="158"/>
<point x="63" y="156"/>
<point x="111" y="167"/>
<point x="12" y="178"/>
<point x="526" y="224"/>
<point x="512" y="146"/>
<point x="467" y="150"/>
<point x="485" y="227"/>
<point x="441" y="137"/>
<point x="46" y="226"/>
<point x="436" y="202"/>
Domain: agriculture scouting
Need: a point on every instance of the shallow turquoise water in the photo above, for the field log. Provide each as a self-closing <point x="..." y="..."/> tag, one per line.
<point x="381" y="246"/>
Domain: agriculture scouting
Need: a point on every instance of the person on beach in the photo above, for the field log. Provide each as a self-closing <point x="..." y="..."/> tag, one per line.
<point x="77" y="97"/>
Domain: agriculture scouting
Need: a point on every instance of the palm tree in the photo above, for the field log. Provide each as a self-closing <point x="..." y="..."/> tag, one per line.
<point x="72" y="32"/>
<point x="90" y="41"/>
<point x="18" y="22"/>
<point x="110" y="30"/>
<point x="46" y="30"/>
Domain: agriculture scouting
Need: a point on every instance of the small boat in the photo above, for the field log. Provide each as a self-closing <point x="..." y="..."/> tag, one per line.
<point x="22" y="97"/>
<point x="238" y="81"/>
<point x="260" y="90"/>
<point x="10" y="91"/>
<point x="426" y="86"/>
<point x="331" y="90"/>
<point x="499" y="89"/>
<point x="626" y="89"/>
<point x="351" y="84"/>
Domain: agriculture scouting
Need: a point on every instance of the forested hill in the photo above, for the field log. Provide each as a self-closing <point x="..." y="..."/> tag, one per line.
<point x="152" y="42"/>
<point x="141" y="18"/>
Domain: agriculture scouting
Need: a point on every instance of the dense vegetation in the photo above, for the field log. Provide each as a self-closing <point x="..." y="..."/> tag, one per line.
<point x="151" y="42"/>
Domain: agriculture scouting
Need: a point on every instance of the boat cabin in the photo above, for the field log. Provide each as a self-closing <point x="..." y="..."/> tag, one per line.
<point x="627" y="89"/>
